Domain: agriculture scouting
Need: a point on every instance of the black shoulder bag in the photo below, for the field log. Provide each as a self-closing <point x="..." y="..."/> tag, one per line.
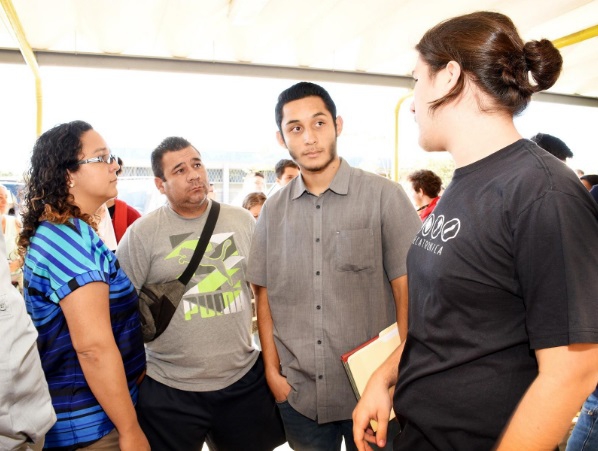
<point x="158" y="301"/>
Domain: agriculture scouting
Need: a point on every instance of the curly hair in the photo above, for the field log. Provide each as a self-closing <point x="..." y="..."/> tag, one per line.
<point x="427" y="181"/>
<point x="46" y="193"/>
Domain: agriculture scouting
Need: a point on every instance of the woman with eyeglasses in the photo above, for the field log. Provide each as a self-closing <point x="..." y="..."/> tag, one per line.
<point x="82" y="304"/>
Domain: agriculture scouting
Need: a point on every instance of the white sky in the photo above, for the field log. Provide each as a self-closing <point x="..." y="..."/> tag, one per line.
<point x="232" y="118"/>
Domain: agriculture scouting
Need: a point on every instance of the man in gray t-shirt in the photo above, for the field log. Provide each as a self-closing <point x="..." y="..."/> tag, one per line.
<point x="205" y="381"/>
<point x="327" y="265"/>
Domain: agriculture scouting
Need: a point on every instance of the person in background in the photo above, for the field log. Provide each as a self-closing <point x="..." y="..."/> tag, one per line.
<point x="352" y="229"/>
<point x="254" y="202"/>
<point x="425" y="190"/>
<point x="211" y="193"/>
<point x="82" y="303"/>
<point x="105" y="229"/>
<point x="11" y="227"/>
<point x="589" y="180"/>
<point x="580" y="172"/>
<point x="26" y="411"/>
<point x="584" y="436"/>
<point x="502" y="315"/>
<point x="553" y="145"/>
<point x="121" y="213"/>
<point x="205" y="381"/>
<point x="254" y="182"/>
<point x="285" y="170"/>
<point x="259" y="181"/>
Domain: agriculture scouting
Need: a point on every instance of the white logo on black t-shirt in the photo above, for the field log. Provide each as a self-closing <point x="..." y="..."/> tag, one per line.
<point x="435" y="227"/>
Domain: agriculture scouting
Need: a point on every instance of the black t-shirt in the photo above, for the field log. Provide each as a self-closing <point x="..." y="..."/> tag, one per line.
<point x="504" y="265"/>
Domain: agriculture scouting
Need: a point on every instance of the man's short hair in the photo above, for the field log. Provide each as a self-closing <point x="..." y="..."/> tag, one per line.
<point x="170" y="144"/>
<point x="282" y="165"/>
<point x="553" y="145"/>
<point x="300" y="91"/>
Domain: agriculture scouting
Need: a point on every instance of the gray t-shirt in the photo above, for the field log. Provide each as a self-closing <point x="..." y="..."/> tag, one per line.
<point x="26" y="411"/>
<point x="207" y="345"/>
<point x="327" y="262"/>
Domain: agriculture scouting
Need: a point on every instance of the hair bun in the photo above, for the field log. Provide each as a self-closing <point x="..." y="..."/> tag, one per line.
<point x="544" y="61"/>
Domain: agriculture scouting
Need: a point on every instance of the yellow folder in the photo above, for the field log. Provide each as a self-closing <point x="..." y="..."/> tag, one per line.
<point x="362" y="361"/>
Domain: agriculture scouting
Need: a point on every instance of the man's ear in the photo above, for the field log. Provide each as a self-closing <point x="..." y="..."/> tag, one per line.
<point x="339" y="125"/>
<point x="280" y="139"/>
<point x="159" y="184"/>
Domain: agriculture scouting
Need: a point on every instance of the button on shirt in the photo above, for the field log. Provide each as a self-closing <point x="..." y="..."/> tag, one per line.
<point x="327" y="262"/>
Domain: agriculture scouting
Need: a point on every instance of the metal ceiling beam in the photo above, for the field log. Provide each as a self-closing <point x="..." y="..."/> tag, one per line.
<point x="46" y="58"/>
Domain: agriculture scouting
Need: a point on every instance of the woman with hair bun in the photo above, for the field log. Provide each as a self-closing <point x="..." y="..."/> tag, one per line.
<point x="502" y="347"/>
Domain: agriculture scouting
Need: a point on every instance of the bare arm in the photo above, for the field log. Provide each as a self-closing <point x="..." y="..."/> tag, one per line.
<point x="401" y="296"/>
<point x="375" y="403"/>
<point x="567" y="375"/>
<point x="277" y="382"/>
<point x="87" y="314"/>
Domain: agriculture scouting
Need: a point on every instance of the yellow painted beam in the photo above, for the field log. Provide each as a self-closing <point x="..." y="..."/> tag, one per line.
<point x="28" y="55"/>
<point x="576" y="37"/>
<point x="396" y="159"/>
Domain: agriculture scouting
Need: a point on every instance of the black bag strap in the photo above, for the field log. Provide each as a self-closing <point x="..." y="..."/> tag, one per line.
<point x="202" y="244"/>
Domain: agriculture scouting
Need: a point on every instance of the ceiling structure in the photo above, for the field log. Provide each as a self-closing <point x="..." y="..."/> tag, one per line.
<point x="371" y="40"/>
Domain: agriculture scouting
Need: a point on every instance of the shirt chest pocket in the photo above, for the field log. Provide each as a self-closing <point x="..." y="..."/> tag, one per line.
<point x="354" y="250"/>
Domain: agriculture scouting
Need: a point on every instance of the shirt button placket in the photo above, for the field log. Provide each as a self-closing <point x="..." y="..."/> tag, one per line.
<point x="319" y="283"/>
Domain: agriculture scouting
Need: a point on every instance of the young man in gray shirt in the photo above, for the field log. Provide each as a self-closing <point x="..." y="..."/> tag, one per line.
<point x="327" y="265"/>
<point x="204" y="379"/>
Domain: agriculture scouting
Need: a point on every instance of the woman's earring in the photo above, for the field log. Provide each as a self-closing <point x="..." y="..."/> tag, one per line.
<point x="72" y="184"/>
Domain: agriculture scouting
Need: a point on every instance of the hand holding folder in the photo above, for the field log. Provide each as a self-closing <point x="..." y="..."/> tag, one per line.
<point x="362" y="361"/>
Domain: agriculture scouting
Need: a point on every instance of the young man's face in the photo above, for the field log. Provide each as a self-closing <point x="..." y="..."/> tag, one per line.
<point x="289" y="174"/>
<point x="186" y="184"/>
<point x="309" y="133"/>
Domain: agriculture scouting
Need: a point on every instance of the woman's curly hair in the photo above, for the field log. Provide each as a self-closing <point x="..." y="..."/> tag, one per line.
<point x="46" y="193"/>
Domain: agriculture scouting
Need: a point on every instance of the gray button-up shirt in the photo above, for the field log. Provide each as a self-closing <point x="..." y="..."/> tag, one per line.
<point x="327" y="262"/>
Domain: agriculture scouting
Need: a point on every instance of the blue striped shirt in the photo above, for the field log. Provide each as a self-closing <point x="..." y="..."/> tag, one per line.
<point x="60" y="259"/>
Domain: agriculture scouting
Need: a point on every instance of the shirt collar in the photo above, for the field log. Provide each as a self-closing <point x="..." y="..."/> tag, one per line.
<point x="339" y="184"/>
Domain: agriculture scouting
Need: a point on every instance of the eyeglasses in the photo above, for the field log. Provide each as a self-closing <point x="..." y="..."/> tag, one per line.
<point x="108" y="159"/>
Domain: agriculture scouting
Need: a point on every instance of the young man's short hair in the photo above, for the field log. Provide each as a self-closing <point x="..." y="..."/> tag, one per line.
<point x="300" y="91"/>
<point x="282" y="165"/>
